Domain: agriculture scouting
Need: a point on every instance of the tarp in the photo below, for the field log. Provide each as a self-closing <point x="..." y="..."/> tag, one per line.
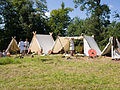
<point x="90" y="43"/>
<point x="13" y="47"/>
<point x="40" y="41"/>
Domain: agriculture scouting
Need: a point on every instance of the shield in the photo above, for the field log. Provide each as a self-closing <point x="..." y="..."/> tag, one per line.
<point x="92" y="53"/>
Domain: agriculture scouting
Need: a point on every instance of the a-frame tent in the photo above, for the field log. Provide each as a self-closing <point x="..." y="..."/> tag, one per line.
<point x="90" y="43"/>
<point x="112" y="49"/>
<point x="12" y="47"/>
<point x="61" y="43"/>
<point x="42" y="43"/>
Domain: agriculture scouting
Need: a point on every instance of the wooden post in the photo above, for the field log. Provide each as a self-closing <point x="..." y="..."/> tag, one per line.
<point x="34" y="33"/>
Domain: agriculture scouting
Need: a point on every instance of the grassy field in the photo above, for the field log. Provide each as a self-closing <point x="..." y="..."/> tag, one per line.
<point x="55" y="72"/>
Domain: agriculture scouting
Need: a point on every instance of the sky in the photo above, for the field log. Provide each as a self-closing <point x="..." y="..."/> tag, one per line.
<point x="55" y="4"/>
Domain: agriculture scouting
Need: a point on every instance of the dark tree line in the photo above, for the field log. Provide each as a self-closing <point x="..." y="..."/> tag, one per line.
<point x="20" y="18"/>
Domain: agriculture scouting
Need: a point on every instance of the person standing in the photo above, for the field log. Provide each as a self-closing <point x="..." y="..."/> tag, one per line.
<point x="21" y="46"/>
<point x="71" y="46"/>
<point x="4" y="53"/>
<point x="26" y="46"/>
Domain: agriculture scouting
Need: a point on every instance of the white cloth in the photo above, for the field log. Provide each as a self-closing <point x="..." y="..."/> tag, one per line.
<point x="21" y="46"/>
<point x="71" y="44"/>
<point x="26" y="45"/>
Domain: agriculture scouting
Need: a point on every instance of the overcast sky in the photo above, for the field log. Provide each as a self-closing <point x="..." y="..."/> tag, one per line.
<point x="55" y="4"/>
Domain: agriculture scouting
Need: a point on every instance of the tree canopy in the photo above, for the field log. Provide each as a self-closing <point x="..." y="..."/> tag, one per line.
<point x="20" y="18"/>
<point x="60" y="20"/>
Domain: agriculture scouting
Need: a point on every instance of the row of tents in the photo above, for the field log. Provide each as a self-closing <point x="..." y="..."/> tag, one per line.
<point x="47" y="45"/>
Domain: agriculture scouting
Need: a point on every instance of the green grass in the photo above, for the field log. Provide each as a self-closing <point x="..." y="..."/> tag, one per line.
<point x="54" y="72"/>
<point x="9" y="60"/>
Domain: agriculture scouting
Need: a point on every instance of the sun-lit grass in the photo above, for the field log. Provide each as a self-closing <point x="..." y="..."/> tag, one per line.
<point x="55" y="72"/>
<point x="9" y="60"/>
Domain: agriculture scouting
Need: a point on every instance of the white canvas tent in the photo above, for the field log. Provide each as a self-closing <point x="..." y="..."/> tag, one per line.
<point x="90" y="43"/>
<point x="41" y="42"/>
<point x="13" y="47"/>
<point x="111" y="49"/>
<point x="62" y="43"/>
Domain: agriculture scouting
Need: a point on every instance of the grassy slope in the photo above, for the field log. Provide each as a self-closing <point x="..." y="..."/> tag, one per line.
<point x="59" y="73"/>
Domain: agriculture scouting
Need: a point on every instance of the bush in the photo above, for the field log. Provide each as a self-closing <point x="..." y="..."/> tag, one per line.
<point x="8" y="60"/>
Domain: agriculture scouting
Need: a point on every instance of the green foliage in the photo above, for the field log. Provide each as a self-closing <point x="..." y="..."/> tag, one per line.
<point x="116" y="15"/>
<point x="22" y="17"/>
<point x="114" y="29"/>
<point x="97" y="21"/>
<point x="76" y="27"/>
<point x="59" y="20"/>
<point x="9" y="60"/>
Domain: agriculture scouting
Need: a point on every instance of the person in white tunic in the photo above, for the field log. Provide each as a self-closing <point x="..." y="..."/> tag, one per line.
<point x="21" y="46"/>
<point x="72" y="46"/>
<point x="26" y="46"/>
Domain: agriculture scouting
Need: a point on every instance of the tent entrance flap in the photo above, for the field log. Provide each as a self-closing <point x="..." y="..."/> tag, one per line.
<point x="112" y="48"/>
<point x="12" y="47"/>
<point x="61" y="43"/>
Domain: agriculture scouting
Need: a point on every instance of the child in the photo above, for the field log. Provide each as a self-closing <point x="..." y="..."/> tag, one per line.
<point x="4" y="53"/>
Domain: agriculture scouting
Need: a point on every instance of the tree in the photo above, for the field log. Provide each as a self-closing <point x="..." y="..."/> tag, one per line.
<point x="59" y="20"/>
<point x="116" y="16"/>
<point x="22" y="17"/>
<point x="76" y="27"/>
<point x="98" y="14"/>
<point x="114" y="29"/>
<point x="98" y="18"/>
